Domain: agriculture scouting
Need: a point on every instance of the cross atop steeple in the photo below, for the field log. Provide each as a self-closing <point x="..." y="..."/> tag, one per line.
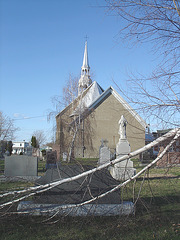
<point x="85" y="79"/>
<point x="86" y="37"/>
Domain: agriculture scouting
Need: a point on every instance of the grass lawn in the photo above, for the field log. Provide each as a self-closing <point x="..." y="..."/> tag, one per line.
<point x="143" y="226"/>
<point x="1" y="166"/>
<point x="157" y="214"/>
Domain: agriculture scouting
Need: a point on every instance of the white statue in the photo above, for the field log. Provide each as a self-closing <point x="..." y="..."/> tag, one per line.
<point x="122" y="127"/>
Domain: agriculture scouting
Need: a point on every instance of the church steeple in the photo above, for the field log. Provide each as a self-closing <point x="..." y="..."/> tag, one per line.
<point x="85" y="67"/>
<point x="85" y="79"/>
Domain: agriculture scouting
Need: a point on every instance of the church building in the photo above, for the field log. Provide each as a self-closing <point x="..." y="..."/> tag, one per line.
<point x="93" y="116"/>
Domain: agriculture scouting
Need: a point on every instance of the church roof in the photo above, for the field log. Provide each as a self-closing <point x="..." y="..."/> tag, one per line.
<point x="94" y="91"/>
<point x="94" y="95"/>
<point x="88" y="96"/>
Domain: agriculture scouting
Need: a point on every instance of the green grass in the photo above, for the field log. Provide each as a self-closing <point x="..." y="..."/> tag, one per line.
<point x="1" y="166"/>
<point x="41" y="167"/>
<point x="140" y="227"/>
<point x="8" y="186"/>
<point x="157" y="214"/>
<point x="82" y="161"/>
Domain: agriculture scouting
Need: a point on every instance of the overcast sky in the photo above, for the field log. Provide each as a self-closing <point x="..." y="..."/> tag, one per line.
<point x="42" y="42"/>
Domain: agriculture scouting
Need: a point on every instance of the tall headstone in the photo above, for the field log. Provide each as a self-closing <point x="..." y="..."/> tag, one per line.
<point x="124" y="169"/>
<point x="65" y="156"/>
<point x="56" y="147"/>
<point x="104" y="153"/>
<point x="29" y="151"/>
<point x="51" y="161"/>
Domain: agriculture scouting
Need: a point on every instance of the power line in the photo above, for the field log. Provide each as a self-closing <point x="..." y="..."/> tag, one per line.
<point x="27" y="118"/>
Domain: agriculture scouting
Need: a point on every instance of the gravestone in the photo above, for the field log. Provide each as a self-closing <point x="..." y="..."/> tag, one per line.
<point x="123" y="170"/>
<point x="56" y="147"/>
<point x="51" y="161"/>
<point x="104" y="153"/>
<point x="29" y="151"/>
<point x="65" y="155"/>
<point x="17" y="165"/>
<point x="36" y="152"/>
<point x="79" y="190"/>
<point x="63" y="199"/>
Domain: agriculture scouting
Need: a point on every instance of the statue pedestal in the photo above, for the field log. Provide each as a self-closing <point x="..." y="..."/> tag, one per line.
<point x="122" y="173"/>
<point x="122" y="148"/>
<point x="123" y="170"/>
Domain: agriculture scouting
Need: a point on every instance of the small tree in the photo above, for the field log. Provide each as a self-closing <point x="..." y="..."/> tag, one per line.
<point x="9" y="147"/>
<point x="34" y="142"/>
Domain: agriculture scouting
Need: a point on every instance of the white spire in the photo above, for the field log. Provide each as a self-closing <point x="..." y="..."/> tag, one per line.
<point x="85" y="60"/>
<point x="85" y="79"/>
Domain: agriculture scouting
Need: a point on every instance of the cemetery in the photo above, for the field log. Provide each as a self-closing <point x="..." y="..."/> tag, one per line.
<point x="78" y="204"/>
<point x="164" y="190"/>
<point x="66" y="199"/>
<point x="100" y="125"/>
<point x="82" y="196"/>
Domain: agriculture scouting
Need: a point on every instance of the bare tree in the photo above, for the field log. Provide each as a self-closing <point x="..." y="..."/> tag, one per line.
<point x="70" y="92"/>
<point x="40" y="137"/>
<point x="7" y="128"/>
<point x="156" y="21"/>
<point x="71" y="120"/>
<point x="74" y="128"/>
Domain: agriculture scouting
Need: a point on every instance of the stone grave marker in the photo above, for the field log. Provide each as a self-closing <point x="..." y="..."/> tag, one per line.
<point x="104" y="153"/>
<point x="56" y="147"/>
<point x="29" y="151"/>
<point x="17" y="165"/>
<point x="51" y="161"/>
<point x="63" y="198"/>
<point x="76" y="191"/>
<point x="65" y="155"/>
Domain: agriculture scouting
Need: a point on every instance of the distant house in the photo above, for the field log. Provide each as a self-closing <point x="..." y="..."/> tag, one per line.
<point x="174" y="148"/>
<point x="172" y="156"/>
<point x="93" y="116"/>
<point x="151" y="153"/>
<point x="20" y="147"/>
